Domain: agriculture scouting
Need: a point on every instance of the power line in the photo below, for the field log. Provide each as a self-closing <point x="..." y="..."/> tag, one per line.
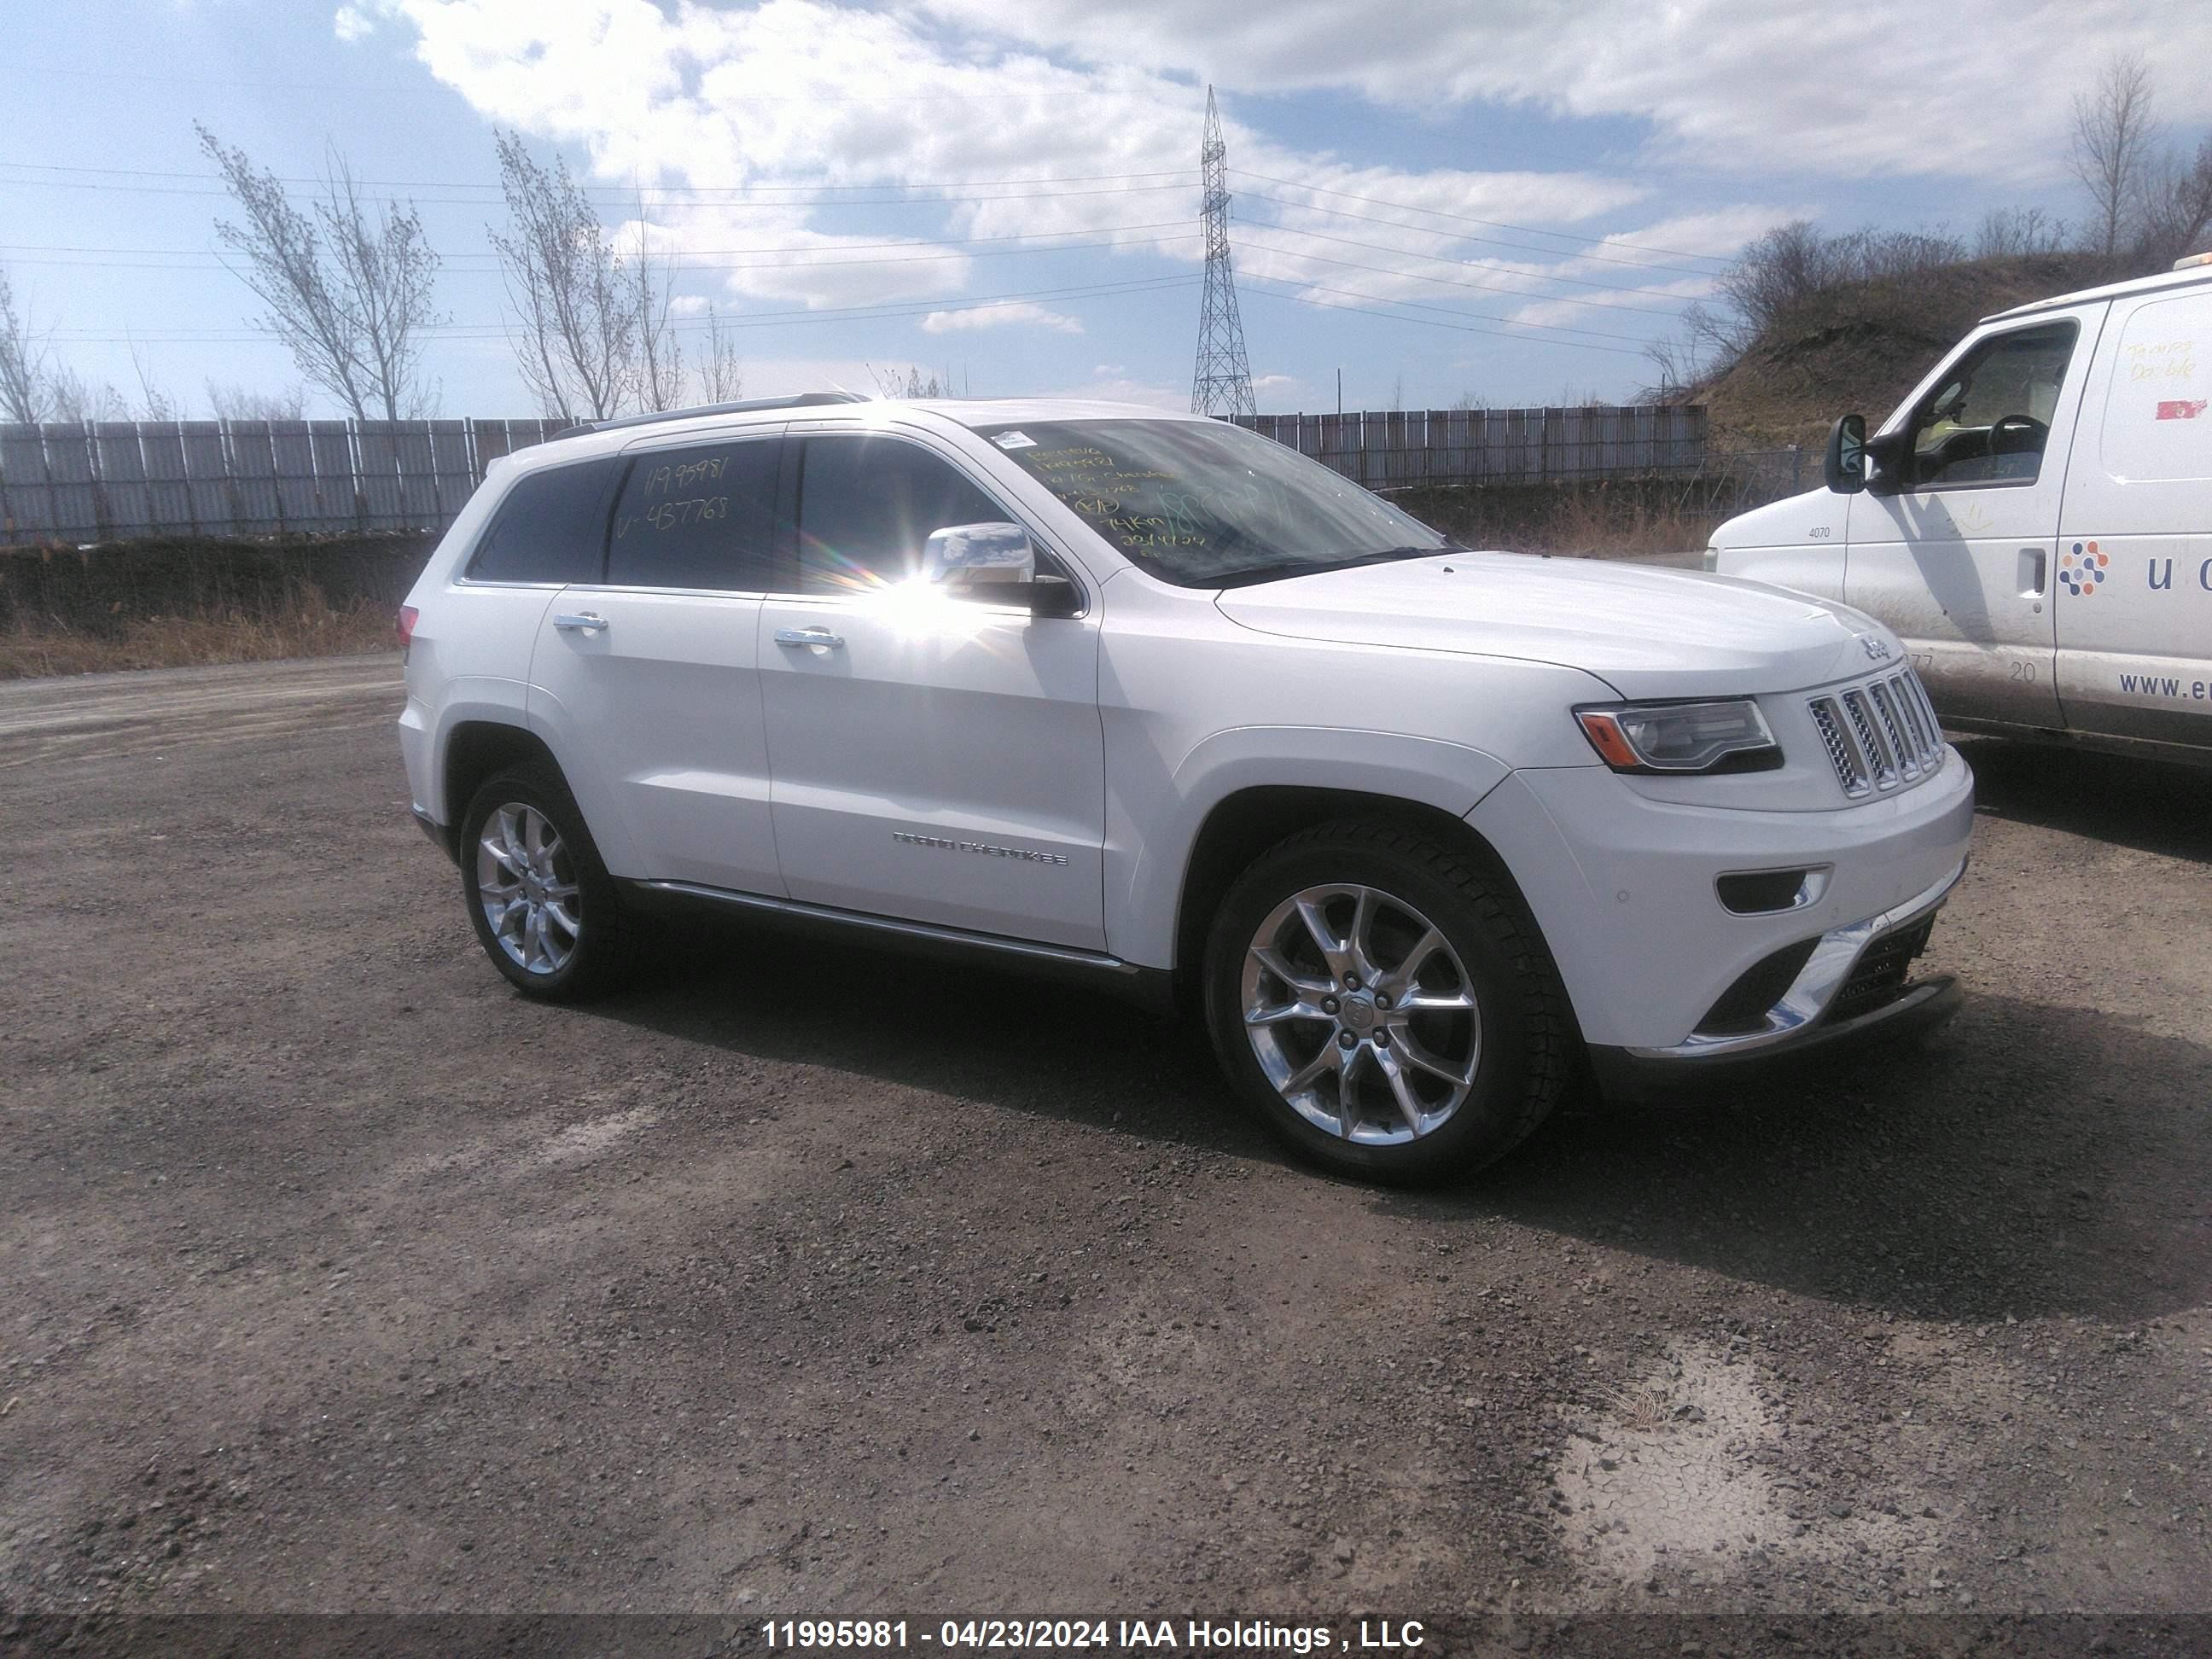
<point x="1461" y="236"/>
<point x="1467" y="264"/>
<point x="888" y="310"/>
<point x="1493" y="224"/>
<point x="1448" y="311"/>
<point x="684" y="259"/>
<point x="1390" y="316"/>
<point x="792" y="202"/>
<point x="1527" y="295"/>
<point x="1183" y="173"/>
<point x="387" y="86"/>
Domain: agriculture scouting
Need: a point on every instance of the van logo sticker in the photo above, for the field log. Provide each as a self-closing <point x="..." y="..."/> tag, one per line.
<point x="2083" y="568"/>
<point x="2181" y="408"/>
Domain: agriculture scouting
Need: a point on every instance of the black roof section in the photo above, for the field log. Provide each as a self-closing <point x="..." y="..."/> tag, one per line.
<point x="750" y="405"/>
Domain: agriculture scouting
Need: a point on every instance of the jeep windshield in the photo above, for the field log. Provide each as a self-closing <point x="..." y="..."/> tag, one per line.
<point x="1205" y="504"/>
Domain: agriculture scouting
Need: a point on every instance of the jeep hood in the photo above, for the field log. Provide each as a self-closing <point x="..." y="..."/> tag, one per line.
<point x="1646" y="632"/>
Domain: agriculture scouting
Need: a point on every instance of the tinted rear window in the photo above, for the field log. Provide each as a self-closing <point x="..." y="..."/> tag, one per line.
<point x="551" y="527"/>
<point x="701" y="516"/>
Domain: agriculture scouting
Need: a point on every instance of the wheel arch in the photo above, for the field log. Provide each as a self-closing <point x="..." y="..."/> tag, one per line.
<point x="478" y="748"/>
<point x="1243" y="825"/>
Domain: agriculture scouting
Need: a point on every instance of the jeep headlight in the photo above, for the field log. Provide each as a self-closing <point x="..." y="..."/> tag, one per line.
<point x="1727" y="736"/>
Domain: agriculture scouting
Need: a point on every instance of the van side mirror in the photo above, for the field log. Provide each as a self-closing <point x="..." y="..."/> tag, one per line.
<point x="1888" y="464"/>
<point x="1845" y="466"/>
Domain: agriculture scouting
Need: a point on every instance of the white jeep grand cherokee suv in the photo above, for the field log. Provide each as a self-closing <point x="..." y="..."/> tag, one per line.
<point x="1149" y="701"/>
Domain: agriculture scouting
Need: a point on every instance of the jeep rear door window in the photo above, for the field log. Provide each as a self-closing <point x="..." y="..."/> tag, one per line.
<point x="1205" y="504"/>
<point x="550" y="528"/>
<point x="1990" y="419"/>
<point x="867" y="505"/>
<point x="699" y="517"/>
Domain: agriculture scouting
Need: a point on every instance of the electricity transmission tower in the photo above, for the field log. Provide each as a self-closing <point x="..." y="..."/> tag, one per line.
<point x="1223" y="382"/>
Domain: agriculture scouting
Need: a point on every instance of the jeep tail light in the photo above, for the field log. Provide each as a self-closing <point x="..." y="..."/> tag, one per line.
<point x="404" y="628"/>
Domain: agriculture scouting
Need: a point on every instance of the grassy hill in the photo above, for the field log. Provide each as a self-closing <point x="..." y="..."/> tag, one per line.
<point x="1863" y="345"/>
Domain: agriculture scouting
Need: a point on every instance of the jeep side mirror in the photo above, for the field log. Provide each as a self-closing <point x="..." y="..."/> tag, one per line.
<point x="996" y="563"/>
<point x="1845" y="466"/>
<point x="966" y="554"/>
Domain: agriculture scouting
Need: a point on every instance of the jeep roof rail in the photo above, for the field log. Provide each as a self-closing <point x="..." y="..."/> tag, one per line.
<point x="747" y="406"/>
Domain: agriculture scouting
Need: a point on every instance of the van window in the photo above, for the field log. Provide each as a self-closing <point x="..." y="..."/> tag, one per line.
<point x="697" y="517"/>
<point x="550" y="528"/>
<point x="2158" y="416"/>
<point x="867" y="505"/>
<point x="1989" y="419"/>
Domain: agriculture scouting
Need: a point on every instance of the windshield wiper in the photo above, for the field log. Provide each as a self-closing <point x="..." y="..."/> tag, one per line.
<point x="1282" y="569"/>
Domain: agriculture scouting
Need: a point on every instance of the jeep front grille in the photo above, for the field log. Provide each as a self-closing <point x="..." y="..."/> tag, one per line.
<point x="1880" y="735"/>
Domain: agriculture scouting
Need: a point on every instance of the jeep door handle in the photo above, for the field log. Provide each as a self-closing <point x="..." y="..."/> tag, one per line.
<point x="583" y="619"/>
<point x="807" y="636"/>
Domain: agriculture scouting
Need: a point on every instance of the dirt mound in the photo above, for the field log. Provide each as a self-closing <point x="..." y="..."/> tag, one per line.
<point x="1861" y="345"/>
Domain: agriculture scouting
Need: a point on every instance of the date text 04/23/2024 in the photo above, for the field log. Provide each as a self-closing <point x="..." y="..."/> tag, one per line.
<point x="1138" y="1635"/>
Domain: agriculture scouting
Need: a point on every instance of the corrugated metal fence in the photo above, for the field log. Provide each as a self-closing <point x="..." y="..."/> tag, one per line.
<point x="117" y="479"/>
<point x="1399" y="449"/>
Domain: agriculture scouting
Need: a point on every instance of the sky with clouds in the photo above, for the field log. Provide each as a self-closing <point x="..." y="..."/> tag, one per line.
<point x="1435" y="199"/>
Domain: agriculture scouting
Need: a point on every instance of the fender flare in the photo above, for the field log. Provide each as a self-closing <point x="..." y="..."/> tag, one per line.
<point x="1144" y="883"/>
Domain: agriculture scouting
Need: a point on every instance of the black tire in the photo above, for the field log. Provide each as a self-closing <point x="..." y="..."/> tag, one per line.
<point x="598" y="955"/>
<point x="1527" y="1041"/>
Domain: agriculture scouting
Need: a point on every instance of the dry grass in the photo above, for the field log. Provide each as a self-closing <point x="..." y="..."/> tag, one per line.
<point x="310" y="628"/>
<point x="1588" y="527"/>
<point x="1632" y="518"/>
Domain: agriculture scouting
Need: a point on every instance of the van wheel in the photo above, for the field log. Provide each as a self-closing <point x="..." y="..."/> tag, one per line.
<point x="543" y="907"/>
<point x="1383" y="1006"/>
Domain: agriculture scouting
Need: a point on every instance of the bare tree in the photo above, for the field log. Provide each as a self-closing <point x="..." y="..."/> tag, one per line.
<point x="236" y="403"/>
<point x="348" y="292"/>
<point x="73" y="397"/>
<point x="2177" y="209"/>
<point x="905" y="383"/>
<point x="2012" y="232"/>
<point x="659" y="366"/>
<point x="154" y="403"/>
<point x="26" y="393"/>
<point x="2116" y="134"/>
<point x="721" y="371"/>
<point x="576" y="339"/>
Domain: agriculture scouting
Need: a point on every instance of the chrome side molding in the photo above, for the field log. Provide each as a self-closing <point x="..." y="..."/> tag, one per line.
<point x="917" y="932"/>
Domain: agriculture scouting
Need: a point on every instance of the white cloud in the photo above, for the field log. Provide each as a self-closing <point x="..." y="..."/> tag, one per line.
<point x="1974" y="87"/>
<point x="848" y="98"/>
<point x="1116" y="389"/>
<point x="1022" y="313"/>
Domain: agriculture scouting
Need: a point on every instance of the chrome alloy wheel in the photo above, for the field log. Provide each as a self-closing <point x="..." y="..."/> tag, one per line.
<point x="527" y="886"/>
<point x="1361" y="1014"/>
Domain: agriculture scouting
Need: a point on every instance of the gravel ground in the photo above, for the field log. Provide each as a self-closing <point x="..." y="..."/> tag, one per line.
<point x="336" y="1278"/>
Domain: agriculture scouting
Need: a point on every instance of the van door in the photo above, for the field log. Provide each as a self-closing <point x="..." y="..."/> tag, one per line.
<point x="2134" y="541"/>
<point x="646" y="682"/>
<point x="1962" y="561"/>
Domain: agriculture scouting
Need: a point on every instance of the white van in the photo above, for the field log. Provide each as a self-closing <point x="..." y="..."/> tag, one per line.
<point x="2034" y="521"/>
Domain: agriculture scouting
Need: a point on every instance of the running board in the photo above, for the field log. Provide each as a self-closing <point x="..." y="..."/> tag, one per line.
<point x="1148" y="985"/>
